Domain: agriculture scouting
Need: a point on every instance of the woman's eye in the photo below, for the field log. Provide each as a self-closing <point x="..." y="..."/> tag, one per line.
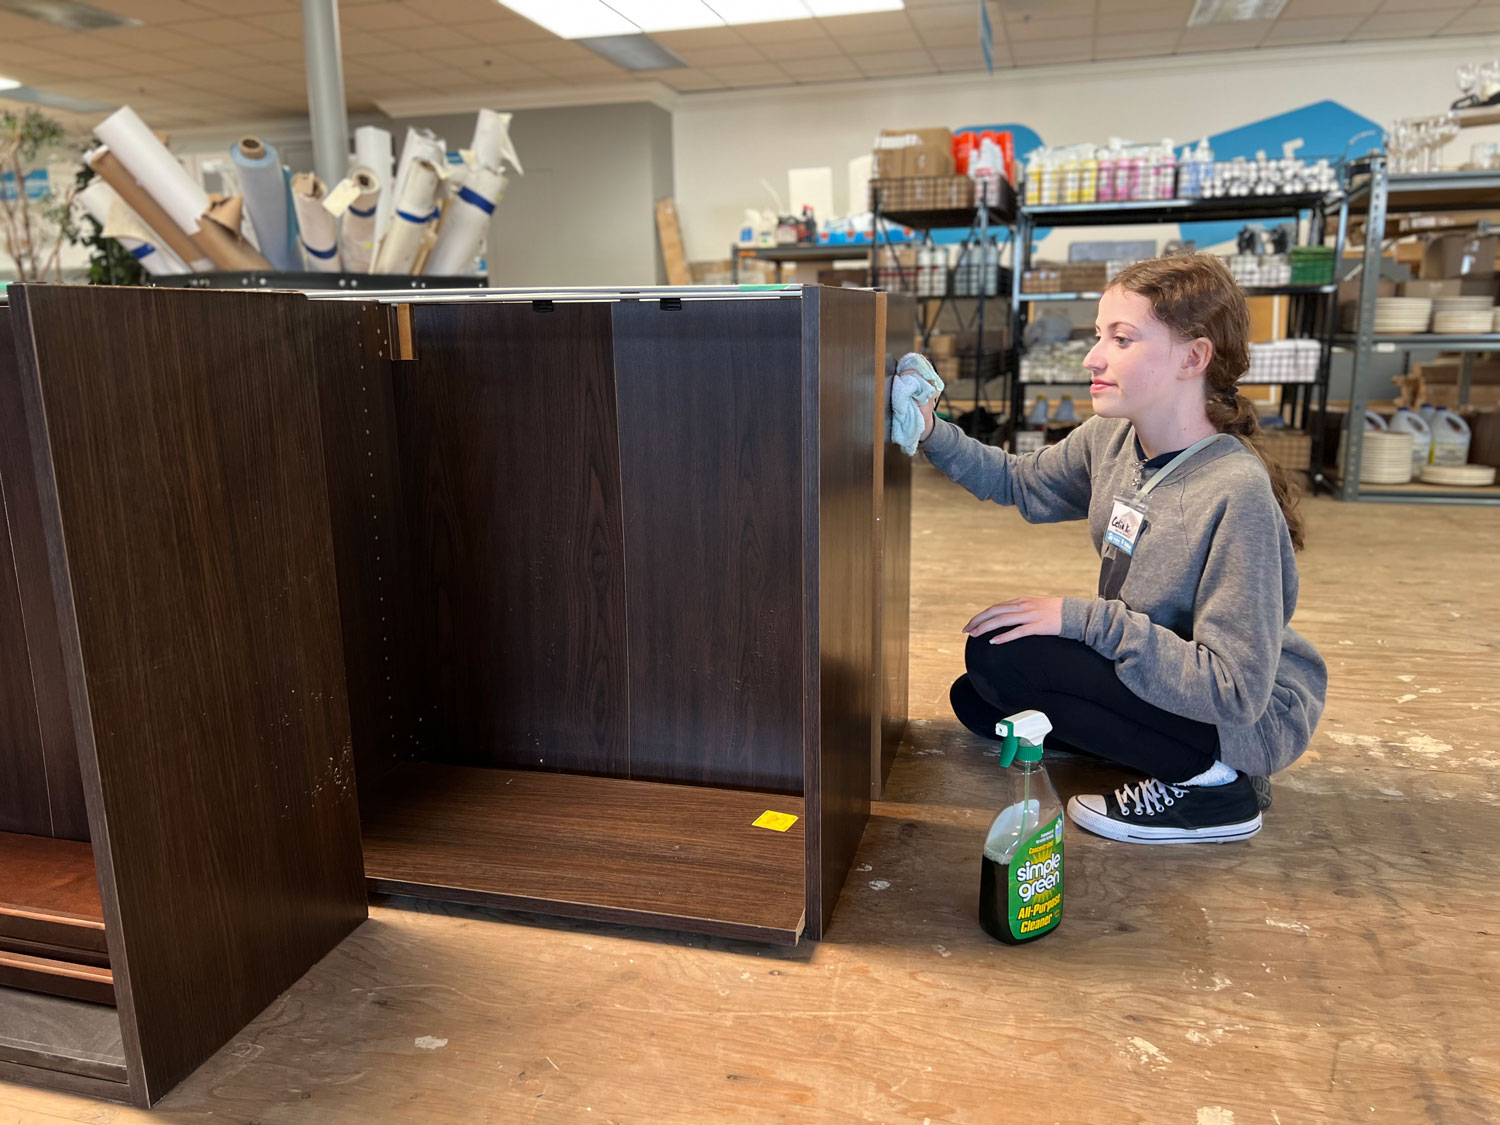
<point x="1122" y="340"/>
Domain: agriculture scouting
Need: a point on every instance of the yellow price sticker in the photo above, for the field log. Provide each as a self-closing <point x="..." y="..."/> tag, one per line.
<point x="775" y="821"/>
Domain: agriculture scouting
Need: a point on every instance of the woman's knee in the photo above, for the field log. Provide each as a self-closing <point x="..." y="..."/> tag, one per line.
<point x="1002" y="672"/>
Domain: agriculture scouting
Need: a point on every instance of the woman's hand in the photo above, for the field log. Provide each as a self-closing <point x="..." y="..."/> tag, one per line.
<point x="1023" y="617"/>
<point x="927" y="409"/>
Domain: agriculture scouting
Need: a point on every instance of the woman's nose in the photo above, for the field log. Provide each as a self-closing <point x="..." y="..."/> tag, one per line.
<point x="1094" y="361"/>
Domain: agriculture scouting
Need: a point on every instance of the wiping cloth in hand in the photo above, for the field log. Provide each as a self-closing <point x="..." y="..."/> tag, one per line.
<point x="915" y="383"/>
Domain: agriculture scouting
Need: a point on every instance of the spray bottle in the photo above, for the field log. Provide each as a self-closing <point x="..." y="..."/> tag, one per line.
<point x="1021" y="884"/>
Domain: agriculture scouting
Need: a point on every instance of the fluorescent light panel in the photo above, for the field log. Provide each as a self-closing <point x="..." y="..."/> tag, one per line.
<point x="8" y="83"/>
<point x="590" y="19"/>
<point x="1208" y="12"/>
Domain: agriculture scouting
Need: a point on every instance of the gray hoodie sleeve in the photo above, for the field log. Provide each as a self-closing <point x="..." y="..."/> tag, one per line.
<point x="1224" y="673"/>
<point x="1048" y="486"/>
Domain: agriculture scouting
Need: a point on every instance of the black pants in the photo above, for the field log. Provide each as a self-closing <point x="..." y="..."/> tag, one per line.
<point x="1090" y="709"/>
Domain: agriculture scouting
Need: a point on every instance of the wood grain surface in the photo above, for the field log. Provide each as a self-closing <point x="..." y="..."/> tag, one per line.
<point x="643" y="853"/>
<point x="352" y="360"/>
<point x="1339" y="967"/>
<point x="52" y="977"/>
<point x="893" y="541"/>
<point x="49" y="896"/>
<point x="710" y="428"/>
<point x="183" y="498"/>
<point x="511" y="476"/>
<point x="41" y="790"/>
<point x="840" y="348"/>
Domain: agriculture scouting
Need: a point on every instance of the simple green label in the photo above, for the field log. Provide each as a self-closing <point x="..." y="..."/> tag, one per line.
<point x="1036" y="883"/>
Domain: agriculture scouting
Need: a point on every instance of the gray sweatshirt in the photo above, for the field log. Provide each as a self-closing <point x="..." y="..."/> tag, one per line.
<point x="1200" y="627"/>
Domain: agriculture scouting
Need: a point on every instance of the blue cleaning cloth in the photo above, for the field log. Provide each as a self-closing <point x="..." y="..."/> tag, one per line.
<point x="915" y="383"/>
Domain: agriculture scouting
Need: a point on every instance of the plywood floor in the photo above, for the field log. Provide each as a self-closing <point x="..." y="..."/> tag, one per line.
<point x="1342" y="966"/>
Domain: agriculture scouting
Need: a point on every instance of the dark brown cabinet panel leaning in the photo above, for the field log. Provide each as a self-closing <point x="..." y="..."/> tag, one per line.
<point x="530" y="600"/>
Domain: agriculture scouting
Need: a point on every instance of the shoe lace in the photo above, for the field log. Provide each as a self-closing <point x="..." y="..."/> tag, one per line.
<point x="1148" y="798"/>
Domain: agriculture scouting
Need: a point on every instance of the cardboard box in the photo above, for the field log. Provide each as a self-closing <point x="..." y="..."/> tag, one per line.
<point x="913" y="152"/>
<point x="929" y="160"/>
<point x="942" y="346"/>
<point x="1461" y="254"/>
<point x="1446" y="287"/>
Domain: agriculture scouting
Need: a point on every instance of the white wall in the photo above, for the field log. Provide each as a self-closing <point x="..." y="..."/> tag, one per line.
<point x="725" y="143"/>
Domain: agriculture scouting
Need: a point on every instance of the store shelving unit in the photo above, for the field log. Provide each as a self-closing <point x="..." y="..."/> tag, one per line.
<point x="1313" y="307"/>
<point x="795" y="252"/>
<point x="1376" y="194"/>
<point x="981" y="223"/>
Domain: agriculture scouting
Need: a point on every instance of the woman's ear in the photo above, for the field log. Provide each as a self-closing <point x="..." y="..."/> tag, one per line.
<point x="1196" y="357"/>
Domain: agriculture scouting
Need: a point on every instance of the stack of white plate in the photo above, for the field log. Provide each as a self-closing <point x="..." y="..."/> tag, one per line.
<point x="1385" y="457"/>
<point x="1399" y="316"/>
<point x="1496" y="327"/>
<point x="1466" y="476"/>
<point x="1463" y="316"/>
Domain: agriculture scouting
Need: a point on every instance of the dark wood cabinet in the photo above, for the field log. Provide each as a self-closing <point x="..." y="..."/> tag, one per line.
<point x="532" y="600"/>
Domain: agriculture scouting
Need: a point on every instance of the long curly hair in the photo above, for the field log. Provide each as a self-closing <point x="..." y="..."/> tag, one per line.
<point x="1195" y="296"/>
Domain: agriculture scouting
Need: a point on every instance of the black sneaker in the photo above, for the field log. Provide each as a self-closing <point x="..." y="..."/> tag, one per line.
<point x="1154" y="812"/>
<point x="1262" y="787"/>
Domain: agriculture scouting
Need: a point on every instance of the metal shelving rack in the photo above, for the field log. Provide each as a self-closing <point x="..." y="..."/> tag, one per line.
<point x="1377" y="194"/>
<point x="980" y="221"/>
<point x="1314" y="307"/>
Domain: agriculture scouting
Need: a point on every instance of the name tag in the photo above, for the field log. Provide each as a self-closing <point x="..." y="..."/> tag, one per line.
<point x="1124" y="526"/>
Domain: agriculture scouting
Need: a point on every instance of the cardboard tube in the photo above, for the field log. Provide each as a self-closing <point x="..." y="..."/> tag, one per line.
<point x="320" y="236"/>
<point x="357" y="239"/>
<point x="226" y="248"/>
<point x="109" y="169"/>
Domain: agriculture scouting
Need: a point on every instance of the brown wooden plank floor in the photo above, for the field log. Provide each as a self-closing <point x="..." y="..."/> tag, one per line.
<point x="1342" y="966"/>
<point x="673" y="856"/>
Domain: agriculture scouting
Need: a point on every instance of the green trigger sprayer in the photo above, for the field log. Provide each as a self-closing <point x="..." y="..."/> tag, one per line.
<point x="1021" y="883"/>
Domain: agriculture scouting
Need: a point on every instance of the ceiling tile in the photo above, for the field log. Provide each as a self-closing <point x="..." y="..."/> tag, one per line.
<point x="686" y="80"/>
<point x="891" y="63"/>
<point x="479" y="58"/>
<point x="872" y="23"/>
<point x="557" y="50"/>
<point x="158" y="11"/>
<point x="1409" y="6"/>
<point x="834" y="68"/>
<point x="250" y="7"/>
<point x="1406" y="25"/>
<point x="407" y="62"/>
<point x="423" y="38"/>
<point x="957" y="58"/>
<point x="288" y="24"/>
<point x="467" y="11"/>
<point x="229" y="32"/>
<point x="277" y="50"/>
<point x="1309" y="9"/>
<point x="1023" y="31"/>
<point x="1475" y="21"/>
<point x="1046" y="51"/>
<point x="879" y="44"/>
<point x="799" y="49"/>
<point x="715" y="57"/>
<point x="1328" y="30"/>
<point x="953" y="15"/>
<point x="380" y="17"/>
<point x="1050" y="9"/>
<point x="1129" y="23"/>
<point x="501" y="33"/>
<point x="1225" y="37"/>
<point x="780" y="31"/>
<point x="1143" y="44"/>
<point x="750" y="74"/>
<point x="204" y="56"/>
<point x="697" y="37"/>
<point x="13" y="51"/>
<point x="956" y="36"/>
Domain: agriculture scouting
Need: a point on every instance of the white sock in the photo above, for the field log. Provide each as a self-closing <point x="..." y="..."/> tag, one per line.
<point x="1216" y="774"/>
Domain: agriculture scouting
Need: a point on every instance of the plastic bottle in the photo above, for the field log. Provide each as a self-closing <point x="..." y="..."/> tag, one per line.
<point x="1166" y="171"/>
<point x="1034" y="178"/>
<point x="1021" y="878"/>
<point x="1450" y="438"/>
<point x="1427" y="410"/>
<point x="1089" y="189"/>
<point x="1409" y="422"/>
<point x="1106" y="186"/>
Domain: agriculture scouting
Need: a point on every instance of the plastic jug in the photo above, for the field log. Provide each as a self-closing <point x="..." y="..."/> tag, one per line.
<point x="1407" y="421"/>
<point x="1450" y="438"/>
<point x="1427" y="411"/>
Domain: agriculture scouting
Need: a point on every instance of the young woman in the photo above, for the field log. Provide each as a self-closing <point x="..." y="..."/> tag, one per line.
<point x="1183" y="667"/>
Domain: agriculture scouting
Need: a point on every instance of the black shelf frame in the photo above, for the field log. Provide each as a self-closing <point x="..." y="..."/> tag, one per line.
<point x="1313" y="313"/>
<point x="979" y="222"/>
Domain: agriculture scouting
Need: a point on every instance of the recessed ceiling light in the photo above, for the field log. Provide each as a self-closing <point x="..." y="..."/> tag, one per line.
<point x="1207" y="12"/>
<point x="586" y="19"/>
<point x="8" y="83"/>
<point x="64" y="13"/>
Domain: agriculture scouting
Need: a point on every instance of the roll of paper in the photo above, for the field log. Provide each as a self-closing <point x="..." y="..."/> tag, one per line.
<point x="101" y="201"/>
<point x="492" y="147"/>
<point x="372" y="150"/>
<point x="357" y="239"/>
<point x="154" y="168"/>
<point x="465" y="222"/>
<point x="411" y="220"/>
<point x="421" y="144"/>
<point x="109" y="169"/>
<point x="268" y="198"/>
<point x="319" y="233"/>
<point x="219" y="237"/>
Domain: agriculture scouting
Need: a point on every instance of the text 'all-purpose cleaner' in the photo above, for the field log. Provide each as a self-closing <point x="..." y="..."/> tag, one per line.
<point x="1021" y="883"/>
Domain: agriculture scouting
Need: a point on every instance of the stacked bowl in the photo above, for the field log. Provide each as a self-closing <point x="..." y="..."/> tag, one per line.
<point x="1402" y="316"/>
<point x="1463" y="316"/>
<point x="1385" y="457"/>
